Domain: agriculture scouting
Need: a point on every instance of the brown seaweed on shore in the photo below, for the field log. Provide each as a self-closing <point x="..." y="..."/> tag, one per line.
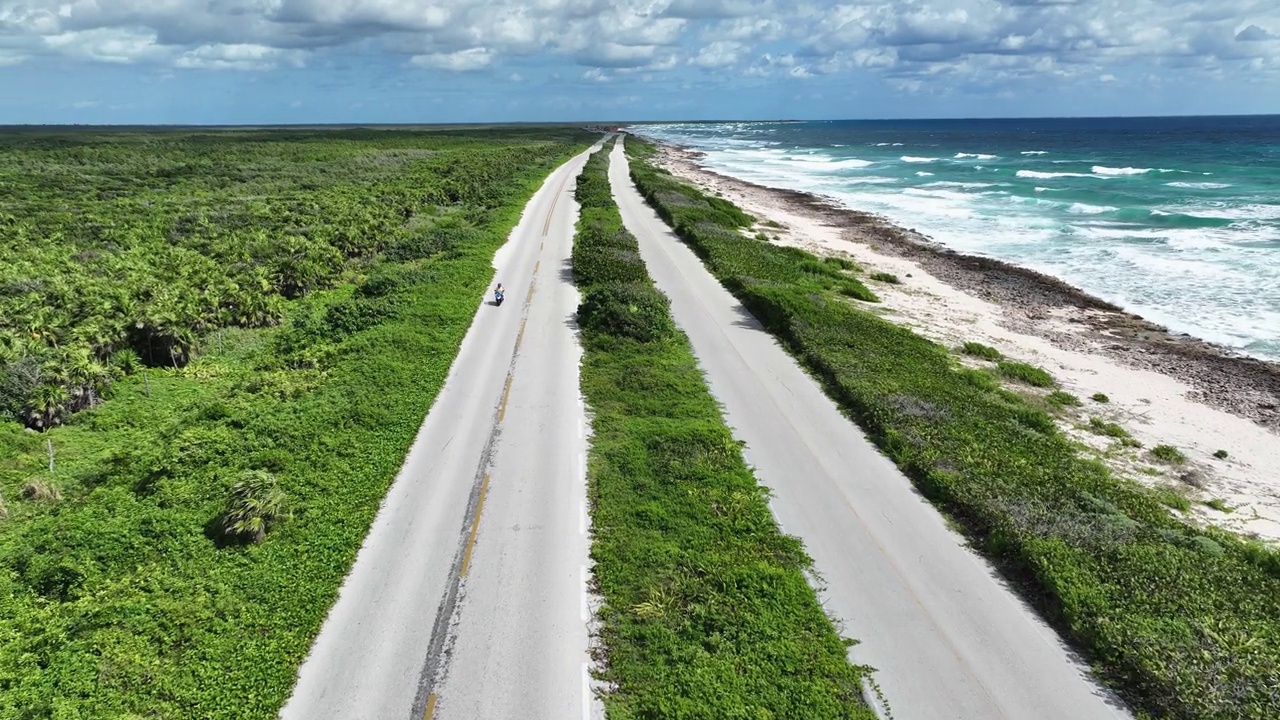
<point x="1220" y="378"/>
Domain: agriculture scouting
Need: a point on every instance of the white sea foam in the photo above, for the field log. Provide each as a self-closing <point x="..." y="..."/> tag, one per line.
<point x="822" y="167"/>
<point x="922" y="173"/>
<point x="910" y="159"/>
<point x="1199" y="186"/>
<point x="954" y="184"/>
<point x="1223" y="211"/>
<point x="824" y="163"/>
<point x="1104" y="170"/>
<point x="1049" y="175"/>
<point x="978" y="156"/>
<point x="1086" y="209"/>
<point x="1035" y="152"/>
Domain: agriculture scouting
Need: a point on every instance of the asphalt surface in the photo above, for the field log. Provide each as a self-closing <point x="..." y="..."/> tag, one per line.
<point x="468" y="597"/>
<point x="948" y="638"/>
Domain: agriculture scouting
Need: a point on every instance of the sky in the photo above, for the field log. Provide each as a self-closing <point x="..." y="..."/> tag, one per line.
<point x="420" y="61"/>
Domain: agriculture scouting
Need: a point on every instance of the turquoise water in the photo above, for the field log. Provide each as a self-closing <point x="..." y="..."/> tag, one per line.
<point x="1176" y="219"/>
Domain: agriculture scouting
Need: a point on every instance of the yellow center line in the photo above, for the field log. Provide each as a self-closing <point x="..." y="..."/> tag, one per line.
<point x="520" y="337"/>
<point x="506" y="393"/>
<point x="475" y="528"/>
<point x="431" y="707"/>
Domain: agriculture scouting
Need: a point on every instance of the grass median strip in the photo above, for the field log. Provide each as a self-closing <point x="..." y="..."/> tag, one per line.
<point x="706" y="612"/>
<point x="1182" y="621"/>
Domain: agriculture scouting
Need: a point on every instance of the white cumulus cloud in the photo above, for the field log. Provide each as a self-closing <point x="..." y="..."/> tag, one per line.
<point x="238" y="56"/>
<point x="460" y="61"/>
<point x="960" y="42"/>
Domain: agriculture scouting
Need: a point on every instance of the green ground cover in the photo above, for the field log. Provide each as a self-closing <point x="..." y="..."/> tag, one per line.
<point x="231" y="338"/>
<point x="706" y="612"/>
<point x="1184" y="622"/>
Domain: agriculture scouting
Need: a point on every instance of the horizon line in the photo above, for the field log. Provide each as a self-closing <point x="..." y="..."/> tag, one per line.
<point x="620" y="122"/>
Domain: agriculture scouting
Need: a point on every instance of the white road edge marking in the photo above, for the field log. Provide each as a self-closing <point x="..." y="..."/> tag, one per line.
<point x="586" y="692"/>
<point x="582" y="517"/>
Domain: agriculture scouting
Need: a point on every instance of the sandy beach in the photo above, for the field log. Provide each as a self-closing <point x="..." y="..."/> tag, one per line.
<point x="1163" y="388"/>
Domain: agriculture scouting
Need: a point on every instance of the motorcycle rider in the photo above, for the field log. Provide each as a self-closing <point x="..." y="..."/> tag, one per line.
<point x="498" y="293"/>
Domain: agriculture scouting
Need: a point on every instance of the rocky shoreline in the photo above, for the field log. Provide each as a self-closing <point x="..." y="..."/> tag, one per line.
<point x="1044" y="306"/>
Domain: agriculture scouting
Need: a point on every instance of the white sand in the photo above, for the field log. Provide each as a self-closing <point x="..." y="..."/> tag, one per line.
<point x="1152" y="406"/>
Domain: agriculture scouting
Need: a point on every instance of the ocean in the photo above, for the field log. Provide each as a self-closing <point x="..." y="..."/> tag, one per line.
<point x="1175" y="219"/>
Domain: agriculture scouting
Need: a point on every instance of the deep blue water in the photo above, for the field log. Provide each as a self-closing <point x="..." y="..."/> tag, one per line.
<point x="1176" y="219"/>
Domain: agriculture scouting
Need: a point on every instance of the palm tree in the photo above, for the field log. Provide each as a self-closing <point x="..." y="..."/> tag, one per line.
<point x="47" y="406"/>
<point x="85" y="379"/>
<point x="43" y="326"/>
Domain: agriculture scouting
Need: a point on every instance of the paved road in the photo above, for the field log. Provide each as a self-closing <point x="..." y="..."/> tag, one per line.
<point x="950" y="641"/>
<point x="466" y="599"/>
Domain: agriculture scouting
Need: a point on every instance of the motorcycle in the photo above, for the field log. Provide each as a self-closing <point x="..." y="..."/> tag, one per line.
<point x="497" y="297"/>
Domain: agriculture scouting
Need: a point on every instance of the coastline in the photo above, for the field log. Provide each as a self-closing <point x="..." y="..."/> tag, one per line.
<point x="1163" y="387"/>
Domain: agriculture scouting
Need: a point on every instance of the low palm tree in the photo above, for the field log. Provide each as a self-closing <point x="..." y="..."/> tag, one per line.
<point x="47" y="406"/>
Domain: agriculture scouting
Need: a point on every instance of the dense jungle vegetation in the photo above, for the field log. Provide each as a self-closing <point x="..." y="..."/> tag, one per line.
<point x="1183" y="621"/>
<point x="707" y="612"/>
<point x="225" y="341"/>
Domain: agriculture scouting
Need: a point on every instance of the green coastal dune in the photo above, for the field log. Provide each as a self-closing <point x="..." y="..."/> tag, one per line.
<point x="1181" y="620"/>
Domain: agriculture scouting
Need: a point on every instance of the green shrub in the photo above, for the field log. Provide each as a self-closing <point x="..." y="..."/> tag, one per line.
<point x="607" y="256"/>
<point x="255" y="505"/>
<point x="1173" y="499"/>
<point x="885" y="277"/>
<point x="1033" y="418"/>
<point x="379" y="284"/>
<point x="857" y="291"/>
<point x="1100" y="398"/>
<point x="1061" y="398"/>
<point x="1220" y="454"/>
<point x="978" y="379"/>
<point x="1029" y="374"/>
<point x="440" y="237"/>
<point x="355" y="314"/>
<point x="592" y="189"/>
<point x="635" y="311"/>
<point x="1220" y="505"/>
<point x="1168" y="454"/>
<point x="1110" y="429"/>
<point x="977" y="349"/>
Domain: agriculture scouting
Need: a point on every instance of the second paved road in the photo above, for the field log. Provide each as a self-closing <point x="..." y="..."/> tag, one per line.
<point x="468" y="596"/>
<point x="950" y="641"/>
